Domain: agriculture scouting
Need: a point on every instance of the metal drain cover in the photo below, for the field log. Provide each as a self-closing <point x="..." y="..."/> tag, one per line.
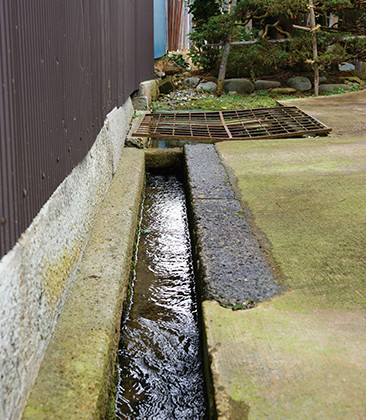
<point x="243" y="124"/>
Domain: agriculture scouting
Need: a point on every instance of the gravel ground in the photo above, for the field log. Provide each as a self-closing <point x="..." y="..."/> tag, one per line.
<point x="180" y="97"/>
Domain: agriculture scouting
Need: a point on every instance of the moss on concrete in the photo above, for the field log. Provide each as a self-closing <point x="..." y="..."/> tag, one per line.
<point x="57" y="273"/>
<point x="308" y="197"/>
<point x="285" y="364"/>
<point x="302" y="354"/>
<point x="78" y="370"/>
<point x="164" y="158"/>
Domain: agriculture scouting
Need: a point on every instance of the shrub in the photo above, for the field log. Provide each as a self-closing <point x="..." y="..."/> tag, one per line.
<point x="274" y="19"/>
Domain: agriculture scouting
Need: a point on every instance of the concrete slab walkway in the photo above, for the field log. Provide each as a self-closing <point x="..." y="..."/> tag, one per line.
<point x="346" y="114"/>
<point x="300" y="355"/>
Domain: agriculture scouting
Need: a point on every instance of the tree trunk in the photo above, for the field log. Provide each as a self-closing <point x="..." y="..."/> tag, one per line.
<point x="315" y="48"/>
<point x="223" y="65"/>
<point x="225" y="56"/>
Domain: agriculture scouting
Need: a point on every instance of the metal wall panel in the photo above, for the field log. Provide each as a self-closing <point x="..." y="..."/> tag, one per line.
<point x="64" y="65"/>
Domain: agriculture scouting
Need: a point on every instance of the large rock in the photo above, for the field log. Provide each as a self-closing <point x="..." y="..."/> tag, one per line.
<point x="238" y="85"/>
<point x="266" y="84"/>
<point x="333" y="87"/>
<point x="209" y="86"/>
<point x="299" y="83"/>
<point x="191" y="81"/>
<point x="166" y="85"/>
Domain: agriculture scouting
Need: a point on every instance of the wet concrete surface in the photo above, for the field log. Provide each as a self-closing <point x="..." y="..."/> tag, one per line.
<point x="231" y="264"/>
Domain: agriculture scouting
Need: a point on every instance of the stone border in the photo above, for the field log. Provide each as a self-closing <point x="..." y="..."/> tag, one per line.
<point x="36" y="275"/>
<point x="77" y="374"/>
<point x="231" y="266"/>
<point x="164" y="158"/>
<point x="78" y="370"/>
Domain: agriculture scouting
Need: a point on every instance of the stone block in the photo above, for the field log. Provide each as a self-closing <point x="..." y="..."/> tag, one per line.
<point x="332" y="87"/>
<point x="166" y="85"/>
<point x="266" y="84"/>
<point x="283" y="91"/>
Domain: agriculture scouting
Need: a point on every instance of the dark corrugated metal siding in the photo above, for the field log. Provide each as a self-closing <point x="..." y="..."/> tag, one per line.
<point x="64" y="65"/>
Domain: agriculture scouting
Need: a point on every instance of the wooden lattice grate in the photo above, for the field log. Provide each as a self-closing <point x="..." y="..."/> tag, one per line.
<point x="243" y="124"/>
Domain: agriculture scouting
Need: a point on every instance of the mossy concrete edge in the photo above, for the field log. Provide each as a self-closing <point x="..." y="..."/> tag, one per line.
<point x="164" y="158"/>
<point x="76" y="374"/>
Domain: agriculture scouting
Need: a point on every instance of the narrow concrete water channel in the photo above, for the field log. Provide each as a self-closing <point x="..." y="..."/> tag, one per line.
<point x="160" y="369"/>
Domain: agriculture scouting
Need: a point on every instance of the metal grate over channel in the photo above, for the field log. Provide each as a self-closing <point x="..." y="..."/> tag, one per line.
<point x="244" y="124"/>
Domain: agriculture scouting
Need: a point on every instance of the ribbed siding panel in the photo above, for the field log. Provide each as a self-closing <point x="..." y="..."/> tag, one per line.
<point x="64" y="66"/>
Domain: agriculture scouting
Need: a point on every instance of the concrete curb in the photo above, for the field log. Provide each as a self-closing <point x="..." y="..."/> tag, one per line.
<point x="77" y="372"/>
<point x="164" y="158"/>
<point x="232" y="268"/>
<point x="138" y="142"/>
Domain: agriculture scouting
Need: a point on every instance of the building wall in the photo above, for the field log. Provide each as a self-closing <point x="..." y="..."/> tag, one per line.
<point x="67" y="69"/>
<point x="64" y="66"/>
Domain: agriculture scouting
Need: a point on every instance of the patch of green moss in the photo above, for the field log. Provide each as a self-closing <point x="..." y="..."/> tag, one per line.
<point x="56" y="274"/>
<point x="308" y="197"/>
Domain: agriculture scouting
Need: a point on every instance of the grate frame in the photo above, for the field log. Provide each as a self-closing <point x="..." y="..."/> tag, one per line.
<point x="243" y="124"/>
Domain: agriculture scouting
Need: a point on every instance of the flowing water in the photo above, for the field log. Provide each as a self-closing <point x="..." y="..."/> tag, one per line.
<point x="160" y="368"/>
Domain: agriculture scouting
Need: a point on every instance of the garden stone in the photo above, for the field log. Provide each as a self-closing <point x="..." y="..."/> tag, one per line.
<point x="173" y="70"/>
<point x="140" y="102"/>
<point x="332" y="87"/>
<point x="322" y="79"/>
<point x="284" y="91"/>
<point x="210" y="86"/>
<point x="166" y="85"/>
<point x="191" y="81"/>
<point x="160" y="74"/>
<point x="299" y="83"/>
<point x="266" y="84"/>
<point x="238" y="85"/>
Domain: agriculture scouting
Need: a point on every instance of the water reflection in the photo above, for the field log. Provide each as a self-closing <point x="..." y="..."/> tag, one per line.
<point x="160" y="370"/>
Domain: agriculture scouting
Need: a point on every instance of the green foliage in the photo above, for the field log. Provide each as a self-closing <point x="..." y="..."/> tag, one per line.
<point x="274" y="19"/>
<point x="214" y="31"/>
<point x="255" y="59"/>
<point x="177" y="59"/>
<point x="203" y="10"/>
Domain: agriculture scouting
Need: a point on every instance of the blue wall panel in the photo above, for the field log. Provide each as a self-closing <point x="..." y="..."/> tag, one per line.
<point x="159" y="28"/>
